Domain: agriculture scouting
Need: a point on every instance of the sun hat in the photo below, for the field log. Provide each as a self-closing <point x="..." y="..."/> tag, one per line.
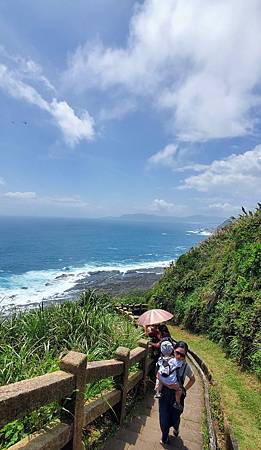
<point x="166" y="348"/>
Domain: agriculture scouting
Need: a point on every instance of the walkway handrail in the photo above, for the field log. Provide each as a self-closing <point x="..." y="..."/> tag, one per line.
<point x="23" y="397"/>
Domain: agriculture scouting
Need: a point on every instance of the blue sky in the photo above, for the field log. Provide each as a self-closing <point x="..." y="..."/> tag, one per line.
<point x="110" y="107"/>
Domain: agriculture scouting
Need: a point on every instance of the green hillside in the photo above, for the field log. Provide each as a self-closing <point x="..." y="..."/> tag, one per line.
<point x="215" y="289"/>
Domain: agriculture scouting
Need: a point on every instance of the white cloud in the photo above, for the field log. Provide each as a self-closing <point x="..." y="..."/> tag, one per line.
<point x="18" y="89"/>
<point x="2" y="181"/>
<point x="21" y="195"/>
<point x="174" y="158"/>
<point x="236" y="173"/>
<point x="197" y="59"/>
<point x="164" y="157"/>
<point x="160" y="205"/>
<point x="196" y="167"/>
<point x="117" y="111"/>
<point x="26" y="68"/>
<point x="72" y="201"/>
<point x="69" y="201"/>
<point x="74" y="128"/>
<point x="225" y="207"/>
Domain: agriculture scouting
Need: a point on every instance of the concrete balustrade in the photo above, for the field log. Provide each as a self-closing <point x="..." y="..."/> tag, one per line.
<point x="131" y="311"/>
<point x="19" y="399"/>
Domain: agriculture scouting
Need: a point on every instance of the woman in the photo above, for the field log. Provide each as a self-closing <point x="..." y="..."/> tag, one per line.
<point x="163" y="335"/>
<point x="169" y="416"/>
<point x="152" y="331"/>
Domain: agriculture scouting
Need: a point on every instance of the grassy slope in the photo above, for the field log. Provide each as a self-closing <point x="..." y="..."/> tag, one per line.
<point x="240" y="392"/>
<point x="31" y="343"/>
<point x="215" y="288"/>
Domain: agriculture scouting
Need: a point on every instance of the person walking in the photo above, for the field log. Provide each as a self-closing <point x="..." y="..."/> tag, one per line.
<point x="170" y="416"/>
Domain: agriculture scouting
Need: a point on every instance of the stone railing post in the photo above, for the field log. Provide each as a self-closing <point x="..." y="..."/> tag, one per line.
<point x="144" y="363"/>
<point x="76" y="363"/>
<point x="121" y="382"/>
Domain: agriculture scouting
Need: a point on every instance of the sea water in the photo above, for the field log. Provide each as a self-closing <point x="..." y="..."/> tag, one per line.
<point x="42" y="257"/>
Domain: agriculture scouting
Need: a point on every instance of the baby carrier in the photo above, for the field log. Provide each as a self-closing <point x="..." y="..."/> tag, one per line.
<point x="164" y="367"/>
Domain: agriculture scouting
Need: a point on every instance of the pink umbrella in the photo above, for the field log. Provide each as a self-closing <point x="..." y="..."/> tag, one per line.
<point x="154" y="316"/>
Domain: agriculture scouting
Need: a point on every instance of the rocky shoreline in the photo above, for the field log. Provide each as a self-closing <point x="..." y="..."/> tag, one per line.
<point x="114" y="282"/>
<point x="117" y="283"/>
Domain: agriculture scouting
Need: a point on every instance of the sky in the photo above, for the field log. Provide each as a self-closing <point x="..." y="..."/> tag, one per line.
<point x="112" y="107"/>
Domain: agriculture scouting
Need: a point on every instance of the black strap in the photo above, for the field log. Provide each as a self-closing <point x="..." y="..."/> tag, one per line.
<point x="173" y="370"/>
<point x="181" y="376"/>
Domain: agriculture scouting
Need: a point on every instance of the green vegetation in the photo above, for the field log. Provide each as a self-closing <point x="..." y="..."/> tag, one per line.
<point x="236" y="391"/>
<point x="204" y="429"/>
<point x="215" y="289"/>
<point x="31" y="343"/>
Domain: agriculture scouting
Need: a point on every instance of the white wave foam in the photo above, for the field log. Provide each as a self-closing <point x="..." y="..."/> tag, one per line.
<point x="37" y="286"/>
<point x="200" y="232"/>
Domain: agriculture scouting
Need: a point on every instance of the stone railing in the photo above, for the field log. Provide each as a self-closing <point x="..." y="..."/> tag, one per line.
<point x="132" y="311"/>
<point x="23" y="397"/>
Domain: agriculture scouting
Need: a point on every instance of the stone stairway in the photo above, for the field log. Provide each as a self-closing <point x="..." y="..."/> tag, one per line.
<point x="143" y="432"/>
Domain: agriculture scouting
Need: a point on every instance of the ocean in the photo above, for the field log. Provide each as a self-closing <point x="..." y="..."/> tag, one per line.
<point x="42" y="259"/>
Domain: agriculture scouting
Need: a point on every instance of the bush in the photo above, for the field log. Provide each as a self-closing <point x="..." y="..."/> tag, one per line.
<point x="215" y="288"/>
<point x="31" y="342"/>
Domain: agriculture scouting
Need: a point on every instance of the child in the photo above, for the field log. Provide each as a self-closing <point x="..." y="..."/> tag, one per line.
<point x="167" y="372"/>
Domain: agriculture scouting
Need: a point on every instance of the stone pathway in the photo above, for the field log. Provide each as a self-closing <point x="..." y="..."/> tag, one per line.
<point x="143" y="432"/>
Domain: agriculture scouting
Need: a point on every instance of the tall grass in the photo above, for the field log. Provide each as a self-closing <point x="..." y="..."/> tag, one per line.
<point x="32" y="342"/>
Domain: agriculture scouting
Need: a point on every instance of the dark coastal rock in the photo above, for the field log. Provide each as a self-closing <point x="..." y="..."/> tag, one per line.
<point x="64" y="275"/>
<point x="104" y="272"/>
<point x="115" y="282"/>
<point x="112" y="282"/>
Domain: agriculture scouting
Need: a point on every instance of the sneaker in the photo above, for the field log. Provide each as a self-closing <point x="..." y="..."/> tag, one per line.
<point x="157" y="395"/>
<point x="177" y="406"/>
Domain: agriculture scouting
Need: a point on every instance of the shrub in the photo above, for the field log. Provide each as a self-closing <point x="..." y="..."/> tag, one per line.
<point x="215" y="288"/>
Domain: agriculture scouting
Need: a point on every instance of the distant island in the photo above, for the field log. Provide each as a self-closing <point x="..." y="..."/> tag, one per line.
<point x="157" y="218"/>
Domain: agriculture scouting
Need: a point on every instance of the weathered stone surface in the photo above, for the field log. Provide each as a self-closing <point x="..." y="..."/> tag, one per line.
<point x="97" y="407"/>
<point x="134" y="379"/>
<point x="117" y="444"/>
<point x="187" y="424"/>
<point x="72" y="362"/>
<point x="97" y="370"/>
<point x="128" y="436"/>
<point x="51" y="438"/>
<point x="18" y="399"/>
<point x="143" y="433"/>
<point x="136" y="355"/>
<point x="75" y="363"/>
<point x="121" y="382"/>
<point x="122" y="354"/>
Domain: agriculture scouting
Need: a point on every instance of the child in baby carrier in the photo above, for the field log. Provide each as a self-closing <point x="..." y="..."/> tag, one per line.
<point x="167" y="367"/>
